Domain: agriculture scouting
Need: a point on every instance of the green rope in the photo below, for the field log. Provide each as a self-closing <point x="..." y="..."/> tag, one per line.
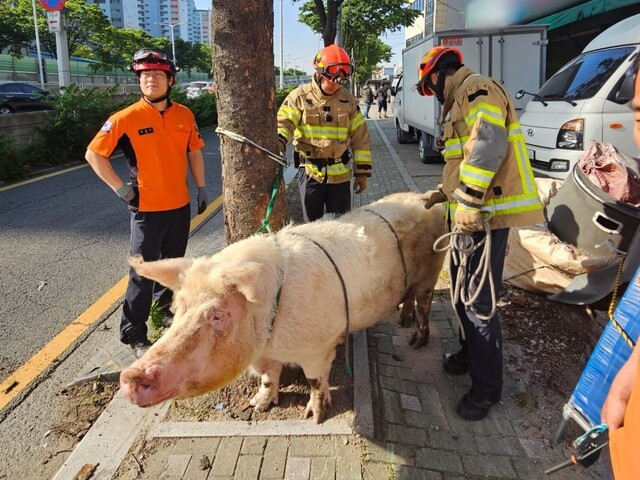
<point x="265" y="227"/>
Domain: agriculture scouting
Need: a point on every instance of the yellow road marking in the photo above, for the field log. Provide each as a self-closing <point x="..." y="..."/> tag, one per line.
<point x="21" y="378"/>
<point x="42" y="177"/>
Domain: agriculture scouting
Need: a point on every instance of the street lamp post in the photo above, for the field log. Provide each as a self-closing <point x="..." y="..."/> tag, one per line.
<point x="173" y="43"/>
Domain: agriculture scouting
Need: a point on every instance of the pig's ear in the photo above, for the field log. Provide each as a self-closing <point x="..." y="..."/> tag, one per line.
<point x="168" y="272"/>
<point x="247" y="280"/>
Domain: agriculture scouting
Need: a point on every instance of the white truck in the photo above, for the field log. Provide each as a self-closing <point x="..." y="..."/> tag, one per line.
<point x="514" y="55"/>
<point x="587" y="99"/>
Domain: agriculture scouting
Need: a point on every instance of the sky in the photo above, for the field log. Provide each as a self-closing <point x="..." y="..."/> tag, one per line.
<point x="301" y="43"/>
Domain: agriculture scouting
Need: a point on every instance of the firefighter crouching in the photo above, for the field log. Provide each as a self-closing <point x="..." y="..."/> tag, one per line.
<point x="323" y="121"/>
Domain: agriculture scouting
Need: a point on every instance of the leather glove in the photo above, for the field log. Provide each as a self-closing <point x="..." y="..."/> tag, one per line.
<point x="126" y="193"/>
<point x="468" y="219"/>
<point x="202" y="200"/>
<point x="360" y="184"/>
<point x="431" y="197"/>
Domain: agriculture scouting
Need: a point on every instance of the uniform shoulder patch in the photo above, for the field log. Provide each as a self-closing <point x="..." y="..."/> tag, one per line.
<point x="107" y="126"/>
<point x="478" y="93"/>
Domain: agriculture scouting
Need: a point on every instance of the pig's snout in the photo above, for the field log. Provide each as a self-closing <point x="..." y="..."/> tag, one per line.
<point x="138" y="387"/>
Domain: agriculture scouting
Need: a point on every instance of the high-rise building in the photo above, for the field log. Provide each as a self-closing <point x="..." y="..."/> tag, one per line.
<point x="158" y="17"/>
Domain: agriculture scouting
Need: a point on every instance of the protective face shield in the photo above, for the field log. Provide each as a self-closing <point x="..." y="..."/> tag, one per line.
<point x="334" y="64"/>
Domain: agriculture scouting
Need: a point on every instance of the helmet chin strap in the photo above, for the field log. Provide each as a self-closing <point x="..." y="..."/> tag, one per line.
<point x="438" y="88"/>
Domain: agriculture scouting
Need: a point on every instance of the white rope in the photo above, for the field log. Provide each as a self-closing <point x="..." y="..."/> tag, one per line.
<point x="242" y="139"/>
<point x="461" y="247"/>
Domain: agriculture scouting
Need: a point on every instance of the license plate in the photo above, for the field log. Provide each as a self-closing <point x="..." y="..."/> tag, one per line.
<point x="532" y="154"/>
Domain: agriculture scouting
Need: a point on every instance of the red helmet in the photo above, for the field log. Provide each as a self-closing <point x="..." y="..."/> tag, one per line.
<point x="146" y="59"/>
<point x="332" y="62"/>
<point x="428" y="65"/>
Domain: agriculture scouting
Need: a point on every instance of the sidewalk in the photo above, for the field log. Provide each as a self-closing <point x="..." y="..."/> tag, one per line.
<point x="405" y="422"/>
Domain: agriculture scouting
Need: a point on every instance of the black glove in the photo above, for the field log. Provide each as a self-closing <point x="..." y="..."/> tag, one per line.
<point x="202" y="200"/>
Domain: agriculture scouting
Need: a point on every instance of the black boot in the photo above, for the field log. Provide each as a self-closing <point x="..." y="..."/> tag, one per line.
<point x="457" y="363"/>
<point x="474" y="406"/>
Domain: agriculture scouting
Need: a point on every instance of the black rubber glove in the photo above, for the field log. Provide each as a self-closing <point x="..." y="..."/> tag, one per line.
<point x="202" y="200"/>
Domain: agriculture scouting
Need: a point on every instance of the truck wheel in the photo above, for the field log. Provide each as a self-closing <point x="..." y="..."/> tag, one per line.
<point x="401" y="135"/>
<point x="425" y="149"/>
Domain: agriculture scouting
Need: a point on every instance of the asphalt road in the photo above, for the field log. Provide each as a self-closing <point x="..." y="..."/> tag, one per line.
<point x="63" y="242"/>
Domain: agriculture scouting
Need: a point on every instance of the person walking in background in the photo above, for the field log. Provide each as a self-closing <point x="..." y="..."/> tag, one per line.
<point x="323" y="121"/>
<point x="487" y="184"/>
<point x="367" y="93"/>
<point x="381" y="96"/>
<point x="159" y="139"/>
<point x="621" y="409"/>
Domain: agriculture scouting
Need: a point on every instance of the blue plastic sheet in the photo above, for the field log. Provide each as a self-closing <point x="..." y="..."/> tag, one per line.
<point x="609" y="354"/>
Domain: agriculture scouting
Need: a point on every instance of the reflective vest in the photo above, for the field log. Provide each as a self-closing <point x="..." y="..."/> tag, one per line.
<point x="322" y="128"/>
<point x="486" y="160"/>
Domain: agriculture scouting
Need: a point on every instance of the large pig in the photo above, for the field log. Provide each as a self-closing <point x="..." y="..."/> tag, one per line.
<point x="282" y="299"/>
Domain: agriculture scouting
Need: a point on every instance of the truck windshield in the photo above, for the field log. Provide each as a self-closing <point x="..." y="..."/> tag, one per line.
<point x="583" y="77"/>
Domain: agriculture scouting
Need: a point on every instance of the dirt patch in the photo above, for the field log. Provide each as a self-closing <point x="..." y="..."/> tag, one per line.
<point x="232" y="402"/>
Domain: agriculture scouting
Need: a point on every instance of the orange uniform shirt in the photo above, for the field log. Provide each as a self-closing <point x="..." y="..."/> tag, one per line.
<point x="155" y="145"/>
<point x="624" y="444"/>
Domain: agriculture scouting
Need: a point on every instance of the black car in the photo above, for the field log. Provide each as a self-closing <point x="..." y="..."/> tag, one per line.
<point x="22" y="97"/>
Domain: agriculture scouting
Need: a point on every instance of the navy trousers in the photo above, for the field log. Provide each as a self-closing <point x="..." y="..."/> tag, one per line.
<point x="484" y="337"/>
<point x="154" y="235"/>
<point x="336" y="197"/>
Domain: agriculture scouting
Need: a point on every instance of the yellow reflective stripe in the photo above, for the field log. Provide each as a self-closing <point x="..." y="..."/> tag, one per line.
<point x="291" y="113"/>
<point x="284" y="133"/>
<point x="454" y="146"/>
<point x="472" y="175"/>
<point x="362" y="156"/>
<point x="355" y="122"/>
<point x="506" y="206"/>
<point x="522" y="159"/>
<point x="337" y="169"/>
<point x="333" y="132"/>
<point x="485" y="111"/>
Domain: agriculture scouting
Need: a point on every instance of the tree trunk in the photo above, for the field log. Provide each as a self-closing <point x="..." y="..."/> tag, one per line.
<point x="242" y="54"/>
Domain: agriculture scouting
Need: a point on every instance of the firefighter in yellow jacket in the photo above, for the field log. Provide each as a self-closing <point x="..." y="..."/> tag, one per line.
<point x="487" y="179"/>
<point x="324" y="122"/>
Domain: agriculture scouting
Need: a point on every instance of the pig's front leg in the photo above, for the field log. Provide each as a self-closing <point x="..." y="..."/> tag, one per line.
<point x="269" y="372"/>
<point x="317" y="374"/>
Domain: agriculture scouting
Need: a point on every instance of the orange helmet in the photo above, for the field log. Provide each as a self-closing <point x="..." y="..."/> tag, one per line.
<point x="428" y="65"/>
<point x="333" y="63"/>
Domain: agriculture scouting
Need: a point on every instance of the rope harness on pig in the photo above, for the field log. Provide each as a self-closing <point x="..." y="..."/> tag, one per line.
<point x="404" y="264"/>
<point x="346" y="299"/>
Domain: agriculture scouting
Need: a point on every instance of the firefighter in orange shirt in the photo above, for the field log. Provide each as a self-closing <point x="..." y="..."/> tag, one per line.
<point x="159" y="139"/>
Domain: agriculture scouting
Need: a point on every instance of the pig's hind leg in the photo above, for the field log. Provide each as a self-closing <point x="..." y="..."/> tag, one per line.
<point x="317" y="374"/>
<point x="407" y="314"/>
<point x="269" y="372"/>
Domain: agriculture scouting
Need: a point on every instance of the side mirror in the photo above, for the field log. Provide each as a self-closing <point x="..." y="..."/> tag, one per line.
<point x="520" y="94"/>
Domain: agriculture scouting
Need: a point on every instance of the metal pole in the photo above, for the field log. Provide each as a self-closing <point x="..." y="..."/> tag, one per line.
<point x="281" y="49"/>
<point x="35" y="23"/>
<point x="173" y="43"/>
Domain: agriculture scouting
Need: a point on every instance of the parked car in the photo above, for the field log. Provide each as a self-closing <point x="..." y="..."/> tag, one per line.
<point x="196" y="88"/>
<point x="23" y="97"/>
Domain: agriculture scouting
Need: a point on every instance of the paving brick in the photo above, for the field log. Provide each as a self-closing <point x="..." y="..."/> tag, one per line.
<point x="195" y="470"/>
<point x="392" y="410"/>
<point x="411" y="473"/>
<point x="492" y="426"/>
<point x="443" y="440"/>
<point x="348" y="463"/>
<point x="391" y="453"/>
<point x="312" y="446"/>
<point x="297" y="468"/>
<point x="177" y="465"/>
<point x="248" y="467"/>
<point x="410" y="402"/>
<point x="426" y="421"/>
<point x="376" y="471"/>
<point x="408" y="435"/>
<point x="400" y="386"/>
<point x="323" y="468"/>
<point x="253" y="446"/>
<point x="226" y="457"/>
<point x="275" y="457"/>
<point x="387" y="370"/>
<point x="439" y="460"/>
<point x="500" y="446"/>
<point x="488" y="466"/>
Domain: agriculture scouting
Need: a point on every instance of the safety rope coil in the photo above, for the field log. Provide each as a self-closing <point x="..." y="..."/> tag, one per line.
<point x="461" y="247"/>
